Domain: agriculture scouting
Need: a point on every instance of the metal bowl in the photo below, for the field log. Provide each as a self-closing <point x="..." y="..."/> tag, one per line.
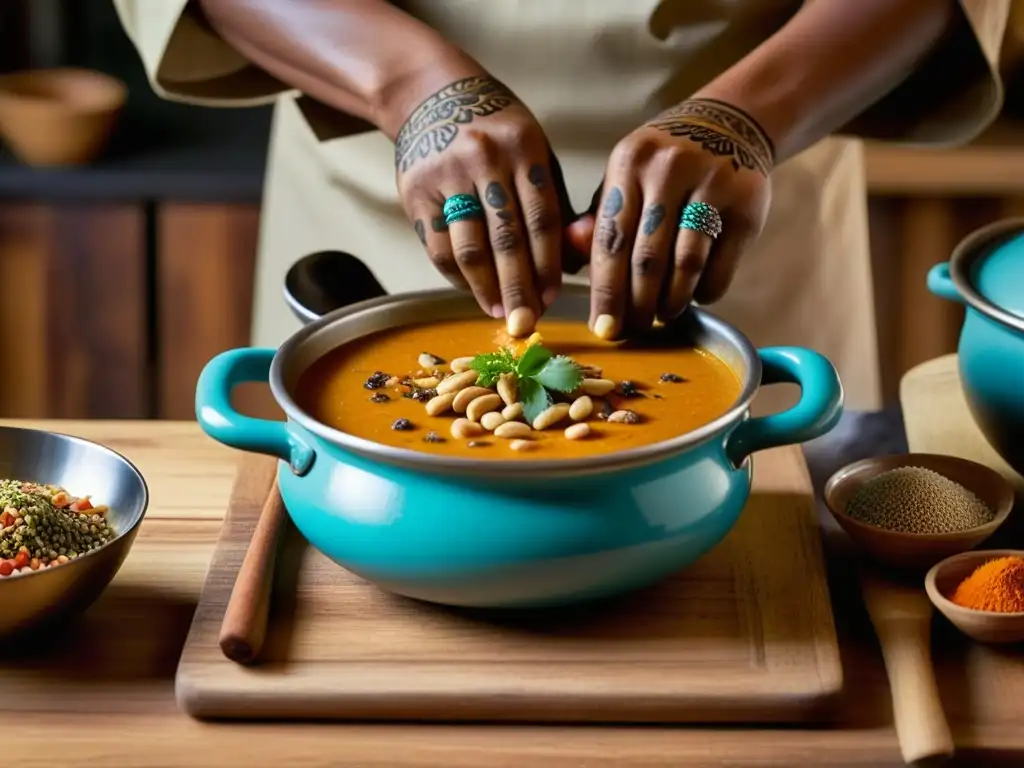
<point x="34" y="600"/>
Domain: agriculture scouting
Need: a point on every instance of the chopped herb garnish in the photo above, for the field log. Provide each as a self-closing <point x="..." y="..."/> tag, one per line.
<point x="534" y="397"/>
<point x="532" y="361"/>
<point x="491" y="365"/>
<point x="560" y="374"/>
<point x="537" y="370"/>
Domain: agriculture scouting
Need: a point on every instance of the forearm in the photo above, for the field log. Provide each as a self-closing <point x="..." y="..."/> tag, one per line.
<point x="831" y="61"/>
<point x="363" y="57"/>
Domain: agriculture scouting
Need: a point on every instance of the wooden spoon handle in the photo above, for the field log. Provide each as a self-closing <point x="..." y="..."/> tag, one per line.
<point x="244" y="627"/>
<point x="903" y="624"/>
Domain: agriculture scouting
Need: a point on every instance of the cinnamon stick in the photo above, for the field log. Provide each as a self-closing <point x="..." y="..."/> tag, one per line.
<point x="244" y="626"/>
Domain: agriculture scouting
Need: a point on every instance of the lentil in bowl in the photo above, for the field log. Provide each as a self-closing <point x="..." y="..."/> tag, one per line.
<point x="42" y="525"/>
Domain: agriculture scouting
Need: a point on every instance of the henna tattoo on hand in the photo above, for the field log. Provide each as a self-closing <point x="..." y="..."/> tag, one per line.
<point x="495" y="195"/>
<point x="722" y="130"/>
<point x="434" y="124"/>
<point x="421" y="231"/>
<point x="613" y="203"/>
<point x="609" y="236"/>
<point x="538" y="176"/>
<point x="653" y="217"/>
<point x="439" y="224"/>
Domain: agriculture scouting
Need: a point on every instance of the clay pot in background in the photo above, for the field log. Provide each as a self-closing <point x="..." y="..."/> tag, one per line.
<point x="58" y="116"/>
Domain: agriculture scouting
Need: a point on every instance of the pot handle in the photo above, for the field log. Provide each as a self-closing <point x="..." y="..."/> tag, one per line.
<point x="817" y="411"/>
<point x="224" y="424"/>
<point x="941" y="284"/>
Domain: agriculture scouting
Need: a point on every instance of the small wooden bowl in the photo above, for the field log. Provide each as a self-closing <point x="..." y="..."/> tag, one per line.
<point x="984" y="626"/>
<point x="63" y="116"/>
<point x="918" y="550"/>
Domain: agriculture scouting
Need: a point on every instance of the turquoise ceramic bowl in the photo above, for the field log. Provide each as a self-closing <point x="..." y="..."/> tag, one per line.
<point x="524" y="533"/>
<point x="986" y="273"/>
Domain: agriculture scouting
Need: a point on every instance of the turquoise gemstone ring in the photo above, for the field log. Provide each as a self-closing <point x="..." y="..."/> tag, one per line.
<point x="703" y="218"/>
<point x="459" y="207"/>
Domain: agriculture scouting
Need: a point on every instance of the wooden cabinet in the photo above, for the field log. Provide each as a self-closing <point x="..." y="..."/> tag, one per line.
<point x="74" y="319"/>
<point x="111" y="310"/>
<point x="205" y="260"/>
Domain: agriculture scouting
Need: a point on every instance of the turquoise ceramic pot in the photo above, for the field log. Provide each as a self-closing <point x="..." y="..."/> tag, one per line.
<point x="986" y="273"/>
<point x="527" y="533"/>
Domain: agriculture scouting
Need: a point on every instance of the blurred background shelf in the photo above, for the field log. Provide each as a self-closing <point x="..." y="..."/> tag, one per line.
<point x="149" y="252"/>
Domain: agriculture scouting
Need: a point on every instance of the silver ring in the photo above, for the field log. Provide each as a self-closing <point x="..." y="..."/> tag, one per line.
<point x="701" y="217"/>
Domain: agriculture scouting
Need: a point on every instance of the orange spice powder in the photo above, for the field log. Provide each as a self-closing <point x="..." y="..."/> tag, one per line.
<point x="997" y="585"/>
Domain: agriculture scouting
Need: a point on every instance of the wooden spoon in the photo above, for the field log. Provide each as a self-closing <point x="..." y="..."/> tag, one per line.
<point x="902" y="618"/>
<point x="244" y="627"/>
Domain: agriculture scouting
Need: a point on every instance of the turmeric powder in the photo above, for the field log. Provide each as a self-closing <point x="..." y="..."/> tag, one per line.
<point x="997" y="585"/>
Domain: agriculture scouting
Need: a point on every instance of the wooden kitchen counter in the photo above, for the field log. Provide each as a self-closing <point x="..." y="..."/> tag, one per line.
<point x="104" y="694"/>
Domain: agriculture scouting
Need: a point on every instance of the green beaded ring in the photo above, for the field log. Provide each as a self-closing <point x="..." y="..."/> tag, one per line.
<point x="703" y="218"/>
<point x="459" y="207"/>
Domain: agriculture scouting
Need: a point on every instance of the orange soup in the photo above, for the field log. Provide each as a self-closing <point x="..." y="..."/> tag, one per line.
<point x="464" y="388"/>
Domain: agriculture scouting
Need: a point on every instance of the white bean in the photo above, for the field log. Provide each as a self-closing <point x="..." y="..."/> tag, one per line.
<point x="481" y="405"/>
<point x="597" y="387"/>
<point x="426" y="383"/>
<point x="522" y="445"/>
<point x="507" y="388"/>
<point x="577" y="431"/>
<point x="460" y="364"/>
<point x="513" y="429"/>
<point x="464" y="428"/>
<point x="467" y="396"/>
<point x="438" y="405"/>
<point x="457" y="382"/>
<point x="624" y="416"/>
<point x="491" y="421"/>
<point x="512" y="412"/>
<point x="581" y="408"/>
<point x="428" y="361"/>
<point x="551" y="416"/>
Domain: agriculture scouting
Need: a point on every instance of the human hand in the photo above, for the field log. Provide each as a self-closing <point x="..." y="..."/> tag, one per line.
<point x="642" y="264"/>
<point x="474" y="138"/>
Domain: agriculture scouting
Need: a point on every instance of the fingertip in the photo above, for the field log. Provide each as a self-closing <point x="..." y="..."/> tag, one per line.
<point x="521" y="322"/>
<point x="497" y="311"/>
<point x="549" y="295"/>
<point x="606" y="327"/>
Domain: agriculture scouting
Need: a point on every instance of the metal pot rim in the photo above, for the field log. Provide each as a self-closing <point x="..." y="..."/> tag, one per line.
<point x="977" y="245"/>
<point x="431" y="463"/>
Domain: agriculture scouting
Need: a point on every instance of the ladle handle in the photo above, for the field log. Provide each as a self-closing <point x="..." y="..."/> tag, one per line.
<point x="244" y="626"/>
<point x="905" y="639"/>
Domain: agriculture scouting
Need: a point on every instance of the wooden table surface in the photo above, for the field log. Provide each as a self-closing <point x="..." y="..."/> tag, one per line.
<point x="104" y="693"/>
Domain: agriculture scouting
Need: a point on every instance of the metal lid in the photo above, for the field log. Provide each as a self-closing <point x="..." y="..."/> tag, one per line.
<point x="999" y="275"/>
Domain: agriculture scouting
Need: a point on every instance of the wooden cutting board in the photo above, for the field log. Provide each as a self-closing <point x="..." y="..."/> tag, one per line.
<point x="745" y="635"/>
<point x="938" y="420"/>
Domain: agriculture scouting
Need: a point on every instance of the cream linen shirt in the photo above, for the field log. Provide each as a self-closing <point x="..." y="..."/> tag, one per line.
<point x="591" y="71"/>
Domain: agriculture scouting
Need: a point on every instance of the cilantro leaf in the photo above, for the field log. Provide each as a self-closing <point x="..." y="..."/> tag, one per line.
<point x="532" y="360"/>
<point x="534" y="397"/>
<point x="490" y="365"/>
<point x="560" y="373"/>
